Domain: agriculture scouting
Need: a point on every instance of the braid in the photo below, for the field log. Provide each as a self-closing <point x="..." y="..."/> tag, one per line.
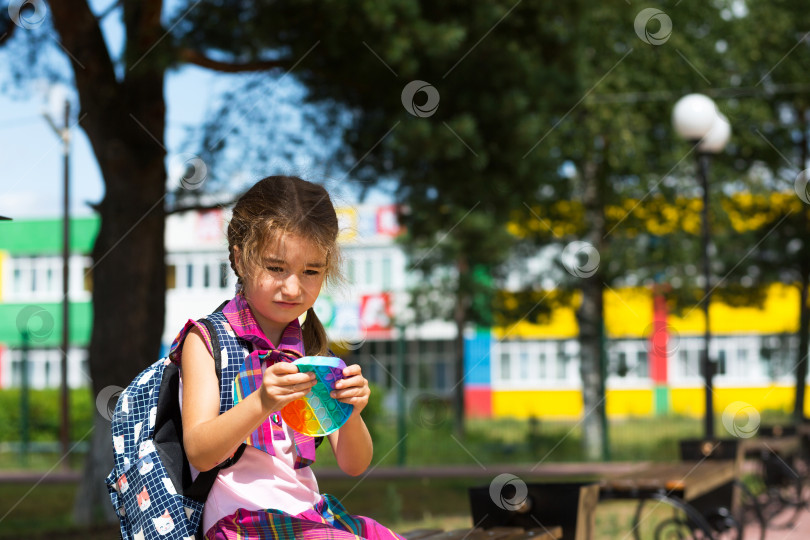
<point x="315" y="340"/>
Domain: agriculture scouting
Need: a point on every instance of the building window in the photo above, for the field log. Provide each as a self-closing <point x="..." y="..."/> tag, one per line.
<point x="369" y="271"/>
<point x="541" y="365"/>
<point x="48" y="382"/>
<point x="16" y="372"/>
<point x="721" y="362"/>
<point x="742" y="363"/>
<point x="386" y="273"/>
<point x="441" y="375"/>
<point x="524" y="366"/>
<point x="189" y="275"/>
<point x="17" y="280"/>
<point x="206" y="276"/>
<point x="642" y="364"/>
<point x="224" y="270"/>
<point x="562" y="363"/>
<point x="506" y="372"/>
<point x="350" y="271"/>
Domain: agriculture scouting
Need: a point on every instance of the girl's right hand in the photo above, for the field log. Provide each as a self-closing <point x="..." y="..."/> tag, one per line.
<point x="283" y="384"/>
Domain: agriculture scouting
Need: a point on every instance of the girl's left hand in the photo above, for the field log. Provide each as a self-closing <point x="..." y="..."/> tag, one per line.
<point x="352" y="389"/>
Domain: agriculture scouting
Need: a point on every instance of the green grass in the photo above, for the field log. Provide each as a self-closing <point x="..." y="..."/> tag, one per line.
<point x="43" y="511"/>
<point x="501" y="440"/>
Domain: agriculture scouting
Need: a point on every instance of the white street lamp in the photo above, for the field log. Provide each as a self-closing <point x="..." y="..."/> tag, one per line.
<point x="696" y="119"/>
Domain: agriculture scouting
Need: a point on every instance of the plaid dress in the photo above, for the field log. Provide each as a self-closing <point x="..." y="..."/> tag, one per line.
<point x="326" y="520"/>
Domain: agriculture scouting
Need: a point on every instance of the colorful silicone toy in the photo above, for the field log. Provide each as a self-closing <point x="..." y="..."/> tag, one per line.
<point x="318" y="414"/>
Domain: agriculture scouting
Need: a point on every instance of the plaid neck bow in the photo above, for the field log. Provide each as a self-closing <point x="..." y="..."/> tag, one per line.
<point x="250" y="376"/>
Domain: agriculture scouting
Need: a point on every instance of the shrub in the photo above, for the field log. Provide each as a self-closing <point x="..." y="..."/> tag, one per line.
<point x="44" y="414"/>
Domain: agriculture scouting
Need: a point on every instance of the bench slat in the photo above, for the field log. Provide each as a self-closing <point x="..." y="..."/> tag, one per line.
<point x="420" y="534"/>
<point x="495" y="533"/>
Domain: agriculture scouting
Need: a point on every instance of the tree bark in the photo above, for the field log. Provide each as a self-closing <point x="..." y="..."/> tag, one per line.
<point x="125" y="123"/>
<point x="801" y="361"/>
<point x="590" y="320"/>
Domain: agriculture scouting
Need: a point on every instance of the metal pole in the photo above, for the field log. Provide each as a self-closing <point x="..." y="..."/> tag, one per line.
<point x="25" y="409"/>
<point x="401" y="428"/>
<point x="64" y="430"/>
<point x="706" y="364"/>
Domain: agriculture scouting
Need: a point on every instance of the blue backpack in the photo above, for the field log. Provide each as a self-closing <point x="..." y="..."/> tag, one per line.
<point x="150" y="485"/>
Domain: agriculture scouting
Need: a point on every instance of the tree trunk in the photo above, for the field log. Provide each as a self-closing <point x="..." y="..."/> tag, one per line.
<point x="129" y="285"/>
<point x="590" y="317"/>
<point x="125" y="123"/>
<point x="460" y="317"/>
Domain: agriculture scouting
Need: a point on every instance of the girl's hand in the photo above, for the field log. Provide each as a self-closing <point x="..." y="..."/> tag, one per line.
<point x="352" y="389"/>
<point x="283" y="384"/>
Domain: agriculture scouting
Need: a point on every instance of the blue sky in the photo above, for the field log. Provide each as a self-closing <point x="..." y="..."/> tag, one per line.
<point x="31" y="153"/>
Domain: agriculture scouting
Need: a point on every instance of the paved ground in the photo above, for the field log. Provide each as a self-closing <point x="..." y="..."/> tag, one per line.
<point x="800" y="530"/>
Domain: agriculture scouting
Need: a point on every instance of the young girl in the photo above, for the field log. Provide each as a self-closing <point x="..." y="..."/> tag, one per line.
<point x="282" y="241"/>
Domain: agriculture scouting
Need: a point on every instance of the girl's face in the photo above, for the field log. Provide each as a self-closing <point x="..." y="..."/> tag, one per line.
<point x="286" y="285"/>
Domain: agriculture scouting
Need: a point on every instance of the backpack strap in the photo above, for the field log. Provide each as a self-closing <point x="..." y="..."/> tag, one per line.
<point x="201" y="486"/>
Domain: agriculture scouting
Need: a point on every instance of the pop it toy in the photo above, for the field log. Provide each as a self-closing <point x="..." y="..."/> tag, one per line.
<point x="318" y="414"/>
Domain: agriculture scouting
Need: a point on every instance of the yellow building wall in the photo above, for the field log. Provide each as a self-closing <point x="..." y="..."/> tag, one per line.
<point x="567" y="404"/>
<point x="629" y="313"/>
<point x="690" y="401"/>
<point x="780" y="313"/>
<point x="629" y="402"/>
<point x="539" y="403"/>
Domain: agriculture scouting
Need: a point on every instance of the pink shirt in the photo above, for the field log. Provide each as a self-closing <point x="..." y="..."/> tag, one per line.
<point x="259" y="481"/>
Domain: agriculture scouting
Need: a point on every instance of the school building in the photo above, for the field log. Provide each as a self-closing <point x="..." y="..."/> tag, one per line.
<point x="523" y="370"/>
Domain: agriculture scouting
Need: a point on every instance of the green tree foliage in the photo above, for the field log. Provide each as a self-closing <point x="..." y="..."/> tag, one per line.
<point x="769" y="45"/>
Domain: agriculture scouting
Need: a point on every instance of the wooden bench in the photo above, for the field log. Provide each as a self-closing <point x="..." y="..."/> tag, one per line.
<point x="495" y="533"/>
<point x="569" y="506"/>
<point x="777" y="453"/>
<point x="679" y="485"/>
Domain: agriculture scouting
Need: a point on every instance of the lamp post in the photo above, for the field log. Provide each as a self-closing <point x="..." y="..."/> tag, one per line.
<point x="57" y="93"/>
<point x="696" y="119"/>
